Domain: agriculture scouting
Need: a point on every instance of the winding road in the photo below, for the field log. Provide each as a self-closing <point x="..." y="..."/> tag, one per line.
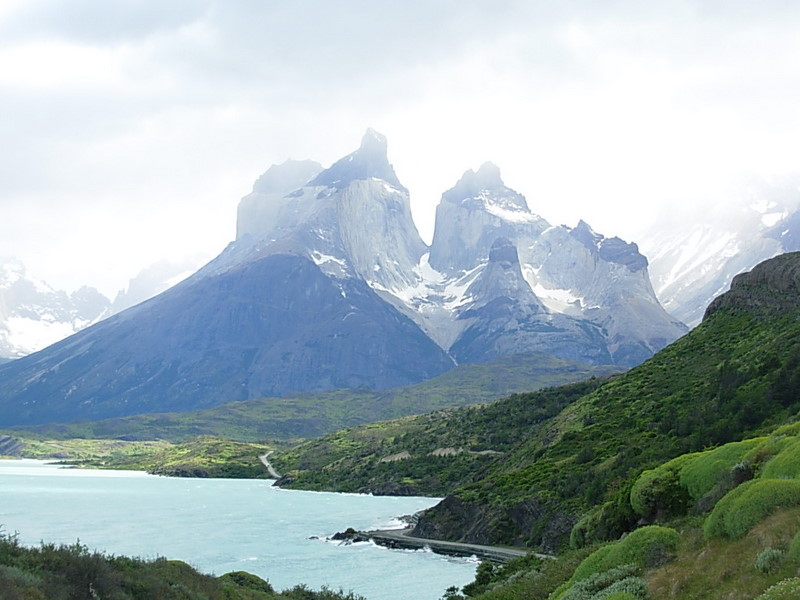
<point x="264" y="458"/>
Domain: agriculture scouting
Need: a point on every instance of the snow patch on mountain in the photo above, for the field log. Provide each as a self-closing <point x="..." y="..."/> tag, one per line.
<point x="33" y="315"/>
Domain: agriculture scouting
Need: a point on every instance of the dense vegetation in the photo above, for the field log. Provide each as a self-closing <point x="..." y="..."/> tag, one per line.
<point x="723" y="523"/>
<point x="736" y="374"/>
<point x="312" y="415"/>
<point x="428" y="454"/>
<point x="52" y="572"/>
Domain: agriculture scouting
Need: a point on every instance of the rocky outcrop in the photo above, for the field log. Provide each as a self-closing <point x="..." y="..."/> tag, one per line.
<point x="772" y="287"/>
<point x="530" y="523"/>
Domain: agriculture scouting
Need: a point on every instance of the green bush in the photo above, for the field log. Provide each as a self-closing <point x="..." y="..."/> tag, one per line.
<point x="788" y="589"/>
<point x="606" y="522"/>
<point x="747" y="505"/>
<point x="646" y="547"/>
<point x="794" y="548"/>
<point x="785" y="465"/>
<point x="598" y="582"/>
<point x="631" y="587"/>
<point x="659" y="492"/>
<point x="773" y="446"/>
<point x="768" y="560"/>
<point x="700" y="475"/>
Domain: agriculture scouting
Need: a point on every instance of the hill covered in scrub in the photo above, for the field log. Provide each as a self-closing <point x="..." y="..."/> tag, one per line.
<point x="723" y="523"/>
<point x="735" y="375"/>
<point x="54" y="572"/>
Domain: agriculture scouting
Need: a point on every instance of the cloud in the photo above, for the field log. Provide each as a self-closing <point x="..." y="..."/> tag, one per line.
<point x="138" y="126"/>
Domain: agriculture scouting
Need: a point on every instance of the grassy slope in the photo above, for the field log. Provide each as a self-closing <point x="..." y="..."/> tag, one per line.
<point x="311" y="415"/>
<point x="203" y="456"/>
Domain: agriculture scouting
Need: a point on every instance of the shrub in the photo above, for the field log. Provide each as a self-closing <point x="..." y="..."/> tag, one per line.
<point x="788" y="589"/>
<point x="747" y="505"/>
<point x="598" y="582"/>
<point x="631" y="587"/>
<point x="646" y="547"/>
<point x="607" y="522"/>
<point x="774" y="445"/>
<point x="785" y="465"/>
<point x="700" y="475"/>
<point x="659" y="491"/>
<point x="794" y="548"/>
<point x="768" y="560"/>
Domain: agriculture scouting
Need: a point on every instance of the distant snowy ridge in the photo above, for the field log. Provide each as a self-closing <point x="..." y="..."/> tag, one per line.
<point x="34" y="315"/>
<point x="693" y="258"/>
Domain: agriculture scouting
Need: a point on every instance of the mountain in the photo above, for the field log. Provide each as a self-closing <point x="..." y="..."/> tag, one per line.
<point x="694" y="257"/>
<point x="34" y="315"/>
<point x="314" y="414"/>
<point x="591" y="292"/>
<point x="329" y="285"/>
<point x="539" y="469"/>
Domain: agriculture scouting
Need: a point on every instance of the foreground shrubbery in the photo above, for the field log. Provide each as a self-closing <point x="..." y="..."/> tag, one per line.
<point x="52" y="572"/>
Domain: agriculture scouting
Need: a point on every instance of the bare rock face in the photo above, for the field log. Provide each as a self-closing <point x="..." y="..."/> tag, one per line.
<point x="458" y="520"/>
<point x="773" y="286"/>
<point x="596" y="289"/>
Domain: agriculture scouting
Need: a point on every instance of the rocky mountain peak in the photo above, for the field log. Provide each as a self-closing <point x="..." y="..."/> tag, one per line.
<point x="485" y="187"/>
<point x="370" y="160"/>
<point x="614" y="249"/>
<point x="586" y="235"/>
<point x="504" y="252"/>
<point x="286" y="177"/>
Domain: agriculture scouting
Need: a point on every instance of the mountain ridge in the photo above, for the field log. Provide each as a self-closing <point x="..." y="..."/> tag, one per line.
<point x="328" y="284"/>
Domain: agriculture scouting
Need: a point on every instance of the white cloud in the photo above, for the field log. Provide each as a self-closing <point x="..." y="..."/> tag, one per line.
<point x="132" y="129"/>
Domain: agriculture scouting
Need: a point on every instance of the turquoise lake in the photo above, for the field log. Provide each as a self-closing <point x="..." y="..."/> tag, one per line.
<point x="221" y="525"/>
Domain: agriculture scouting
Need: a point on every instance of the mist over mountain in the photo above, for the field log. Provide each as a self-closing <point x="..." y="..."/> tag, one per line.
<point x="328" y="285"/>
<point x="33" y="315"/>
<point x="694" y="257"/>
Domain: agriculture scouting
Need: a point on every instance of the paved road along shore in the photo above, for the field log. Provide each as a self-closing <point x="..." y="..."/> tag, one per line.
<point x="400" y="538"/>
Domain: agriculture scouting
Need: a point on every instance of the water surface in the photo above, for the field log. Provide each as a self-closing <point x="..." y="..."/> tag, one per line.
<point x="221" y="525"/>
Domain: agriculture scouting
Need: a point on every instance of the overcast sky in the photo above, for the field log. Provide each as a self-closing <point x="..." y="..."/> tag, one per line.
<point x="130" y="129"/>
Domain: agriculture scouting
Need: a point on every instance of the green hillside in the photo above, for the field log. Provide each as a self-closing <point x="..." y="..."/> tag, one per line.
<point x="312" y="415"/>
<point x="736" y="374"/>
<point x="723" y="523"/>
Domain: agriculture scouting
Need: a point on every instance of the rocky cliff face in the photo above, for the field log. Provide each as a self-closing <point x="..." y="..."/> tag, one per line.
<point x="596" y="289"/>
<point x="328" y="284"/>
<point x="772" y="286"/>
